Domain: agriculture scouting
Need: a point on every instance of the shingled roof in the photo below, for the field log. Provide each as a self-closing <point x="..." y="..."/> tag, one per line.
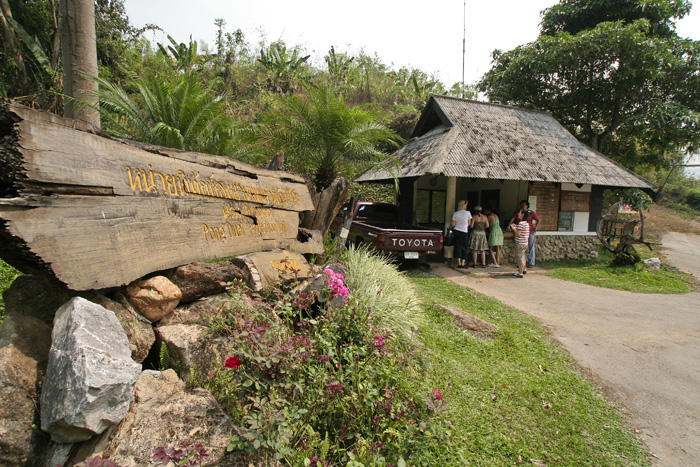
<point x="463" y="138"/>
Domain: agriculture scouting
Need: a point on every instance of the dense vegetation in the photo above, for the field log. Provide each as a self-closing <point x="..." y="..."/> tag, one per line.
<point x="615" y="73"/>
<point x="240" y="98"/>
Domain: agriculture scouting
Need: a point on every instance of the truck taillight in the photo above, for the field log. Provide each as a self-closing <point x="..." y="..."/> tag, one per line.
<point x="381" y="238"/>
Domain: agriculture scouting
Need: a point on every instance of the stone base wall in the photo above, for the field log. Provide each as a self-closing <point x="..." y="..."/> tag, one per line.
<point x="553" y="247"/>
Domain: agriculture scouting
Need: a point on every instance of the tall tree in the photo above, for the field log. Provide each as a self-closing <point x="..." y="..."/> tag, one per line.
<point x="79" y="53"/>
<point x="623" y="82"/>
<point x="12" y="44"/>
<point x="322" y="137"/>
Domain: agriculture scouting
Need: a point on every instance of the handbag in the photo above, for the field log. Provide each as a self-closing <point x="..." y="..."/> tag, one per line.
<point x="449" y="237"/>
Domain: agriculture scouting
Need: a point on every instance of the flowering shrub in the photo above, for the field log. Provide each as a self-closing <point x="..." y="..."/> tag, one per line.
<point x="335" y="284"/>
<point x="325" y="388"/>
<point x="233" y="362"/>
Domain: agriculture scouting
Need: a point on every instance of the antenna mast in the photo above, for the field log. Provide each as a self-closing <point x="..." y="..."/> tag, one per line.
<point x="464" y="45"/>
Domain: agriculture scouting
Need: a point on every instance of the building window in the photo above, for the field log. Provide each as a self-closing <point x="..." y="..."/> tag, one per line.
<point x="430" y="207"/>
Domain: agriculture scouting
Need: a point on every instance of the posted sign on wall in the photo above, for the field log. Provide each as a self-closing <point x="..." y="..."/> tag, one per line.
<point x="98" y="212"/>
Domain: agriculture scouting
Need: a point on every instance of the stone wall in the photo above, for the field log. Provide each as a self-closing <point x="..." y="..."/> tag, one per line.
<point x="553" y="247"/>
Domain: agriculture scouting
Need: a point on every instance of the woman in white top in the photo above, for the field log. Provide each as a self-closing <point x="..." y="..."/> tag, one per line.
<point x="460" y="224"/>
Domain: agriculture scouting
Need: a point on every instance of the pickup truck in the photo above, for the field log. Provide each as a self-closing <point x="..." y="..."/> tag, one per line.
<point x="378" y="226"/>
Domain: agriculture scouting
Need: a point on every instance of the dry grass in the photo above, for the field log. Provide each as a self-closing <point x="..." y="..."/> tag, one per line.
<point x="662" y="220"/>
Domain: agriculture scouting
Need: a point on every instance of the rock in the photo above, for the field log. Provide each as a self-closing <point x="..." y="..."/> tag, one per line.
<point x="164" y="414"/>
<point x="470" y="323"/>
<point x="90" y="377"/>
<point x="36" y="296"/>
<point x="154" y="298"/>
<point x="190" y="347"/>
<point x="199" y="280"/>
<point x="138" y="329"/>
<point x="24" y="353"/>
<point x="653" y="263"/>
<point x="268" y="267"/>
<point x="205" y="309"/>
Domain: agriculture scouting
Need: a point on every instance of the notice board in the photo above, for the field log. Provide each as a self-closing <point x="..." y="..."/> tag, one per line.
<point x="546" y="206"/>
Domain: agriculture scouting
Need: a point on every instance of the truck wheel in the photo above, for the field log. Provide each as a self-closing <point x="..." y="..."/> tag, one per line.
<point x="358" y="242"/>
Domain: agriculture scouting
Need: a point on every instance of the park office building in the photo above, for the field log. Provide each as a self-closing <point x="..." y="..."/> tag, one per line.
<point x="495" y="156"/>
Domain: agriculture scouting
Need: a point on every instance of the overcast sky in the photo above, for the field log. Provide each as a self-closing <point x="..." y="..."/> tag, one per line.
<point x="425" y="35"/>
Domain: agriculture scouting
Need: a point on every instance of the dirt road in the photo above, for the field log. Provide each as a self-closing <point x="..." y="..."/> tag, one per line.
<point x="682" y="251"/>
<point x="643" y="349"/>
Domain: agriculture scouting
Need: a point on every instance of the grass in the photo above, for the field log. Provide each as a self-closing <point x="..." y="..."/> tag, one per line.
<point x="518" y="397"/>
<point x="7" y="275"/>
<point x="637" y="278"/>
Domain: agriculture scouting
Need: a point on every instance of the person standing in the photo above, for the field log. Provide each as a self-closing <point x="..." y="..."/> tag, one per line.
<point x="495" y="237"/>
<point x="522" y="235"/>
<point x="477" y="241"/>
<point x="460" y="224"/>
<point x="533" y="221"/>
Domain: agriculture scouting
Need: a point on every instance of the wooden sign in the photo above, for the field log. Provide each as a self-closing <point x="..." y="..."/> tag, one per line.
<point x="577" y="201"/>
<point x="98" y="212"/>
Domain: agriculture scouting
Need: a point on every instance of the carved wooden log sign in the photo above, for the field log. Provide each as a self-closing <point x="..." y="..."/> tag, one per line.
<point x="97" y="212"/>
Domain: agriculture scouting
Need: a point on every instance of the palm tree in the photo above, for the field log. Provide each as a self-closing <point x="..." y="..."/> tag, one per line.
<point x="323" y="137"/>
<point x="175" y="111"/>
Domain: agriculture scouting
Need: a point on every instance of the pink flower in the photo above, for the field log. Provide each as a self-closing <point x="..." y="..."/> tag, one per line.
<point x="233" y="362"/>
<point x="437" y="394"/>
<point x="335" y="283"/>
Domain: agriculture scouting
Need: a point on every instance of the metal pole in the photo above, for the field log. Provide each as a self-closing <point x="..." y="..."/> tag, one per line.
<point x="464" y="45"/>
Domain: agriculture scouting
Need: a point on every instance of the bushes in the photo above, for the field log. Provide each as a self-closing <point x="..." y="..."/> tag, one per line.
<point x="325" y="383"/>
<point x="693" y="198"/>
<point x="7" y="276"/>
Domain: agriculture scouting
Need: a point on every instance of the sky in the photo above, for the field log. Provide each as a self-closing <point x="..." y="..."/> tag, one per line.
<point x="419" y="34"/>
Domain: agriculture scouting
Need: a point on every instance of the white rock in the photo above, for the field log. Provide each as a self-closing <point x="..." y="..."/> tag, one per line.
<point x="653" y="263"/>
<point x="90" y="377"/>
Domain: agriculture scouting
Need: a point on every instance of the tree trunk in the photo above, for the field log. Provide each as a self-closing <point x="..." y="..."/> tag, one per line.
<point x="13" y="44"/>
<point x="79" y="53"/>
<point x="326" y="205"/>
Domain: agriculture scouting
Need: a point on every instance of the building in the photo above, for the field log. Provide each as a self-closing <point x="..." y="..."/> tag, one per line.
<point x="495" y="156"/>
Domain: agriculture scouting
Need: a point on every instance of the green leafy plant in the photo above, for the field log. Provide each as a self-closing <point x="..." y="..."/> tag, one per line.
<point x="191" y="455"/>
<point x="175" y="110"/>
<point x="164" y="357"/>
<point x="8" y="274"/>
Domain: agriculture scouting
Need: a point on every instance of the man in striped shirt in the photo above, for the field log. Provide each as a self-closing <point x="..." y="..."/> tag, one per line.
<point x="522" y="235"/>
